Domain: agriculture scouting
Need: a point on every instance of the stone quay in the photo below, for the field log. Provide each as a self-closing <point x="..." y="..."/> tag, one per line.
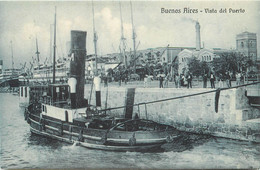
<point x="235" y="118"/>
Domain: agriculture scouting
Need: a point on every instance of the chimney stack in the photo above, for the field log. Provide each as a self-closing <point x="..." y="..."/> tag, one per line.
<point x="198" y="44"/>
<point x="77" y="67"/>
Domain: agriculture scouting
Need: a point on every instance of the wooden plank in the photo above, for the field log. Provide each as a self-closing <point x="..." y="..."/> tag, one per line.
<point x="129" y="102"/>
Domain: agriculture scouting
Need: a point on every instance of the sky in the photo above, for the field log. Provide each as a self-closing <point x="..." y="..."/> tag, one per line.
<point x="21" y="22"/>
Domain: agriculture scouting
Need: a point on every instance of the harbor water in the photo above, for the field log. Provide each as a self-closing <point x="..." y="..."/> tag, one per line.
<point x="21" y="149"/>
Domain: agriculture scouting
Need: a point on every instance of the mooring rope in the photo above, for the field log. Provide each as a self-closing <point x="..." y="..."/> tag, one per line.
<point x="179" y="97"/>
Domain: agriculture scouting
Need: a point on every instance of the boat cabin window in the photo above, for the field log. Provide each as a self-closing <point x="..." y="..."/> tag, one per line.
<point x="35" y="93"/>
<point x="58" y="93"/>
<point x="45" y="109"/>
<point x="42" y="108"/>
<point x="21" y="91"/>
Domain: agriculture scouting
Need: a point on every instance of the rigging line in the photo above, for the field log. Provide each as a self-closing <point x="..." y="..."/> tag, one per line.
<point x="179" y="97"/>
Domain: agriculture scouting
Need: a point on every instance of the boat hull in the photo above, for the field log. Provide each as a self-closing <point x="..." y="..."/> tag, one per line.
<point x="98" y="146"/>
<point x="98" y="138"/>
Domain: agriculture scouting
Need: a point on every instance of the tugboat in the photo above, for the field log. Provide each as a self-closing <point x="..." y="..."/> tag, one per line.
<point x="62" y="113"/>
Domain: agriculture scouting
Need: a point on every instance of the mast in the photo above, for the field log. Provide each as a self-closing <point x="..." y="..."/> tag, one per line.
<point x="134" y="36"/>
<point x="37" y="52"/>
<point x="54" y="48"/>
<point x="95" y="41"/>
<point x="123" y="39"/>
<point x="50" y="43"/>
<point x="12" y="57"/>
<point x="97" y="79"/>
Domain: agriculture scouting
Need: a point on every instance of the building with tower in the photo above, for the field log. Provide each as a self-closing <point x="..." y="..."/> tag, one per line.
<point x="246" y="44"/>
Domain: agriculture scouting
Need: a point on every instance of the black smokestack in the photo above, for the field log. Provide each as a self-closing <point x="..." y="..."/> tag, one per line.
<point x="77" y="65"/>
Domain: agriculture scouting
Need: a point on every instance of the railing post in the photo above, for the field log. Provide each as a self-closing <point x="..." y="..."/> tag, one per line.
<point x="139" y="110"/>
<point x="146" y="111"/>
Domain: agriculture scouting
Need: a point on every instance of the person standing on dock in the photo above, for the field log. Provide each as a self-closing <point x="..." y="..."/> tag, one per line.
<point x="145" y="81"/>
<point x="177" y="80"/>
<point x="228" y="79"/>
<point x="238" y="75"/>
<point x="166" y="81"/>
<point x="161" y="81"/>
<point x="212" y="80"/>
<point x="189" y="79"/>
<point x="221" y="79"/>
<point x="182" y="80"/>
<point x="205" y="79"/>
<point x="242" y="79"/>
<point x="105" y="81"/>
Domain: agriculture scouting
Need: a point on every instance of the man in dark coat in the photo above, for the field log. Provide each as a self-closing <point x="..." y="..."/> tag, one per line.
<point x="189" y="79"/>
<point x="212" y="80"/>
<point x="205" y="80"/>
<point x="161" y="81"/>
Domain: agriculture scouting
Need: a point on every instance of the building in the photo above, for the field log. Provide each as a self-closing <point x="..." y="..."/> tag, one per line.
<point x="90" y="65"/>
<point x="104" y="63"/>
<point x="246" y="44"/>
<point x="206" y="55"/>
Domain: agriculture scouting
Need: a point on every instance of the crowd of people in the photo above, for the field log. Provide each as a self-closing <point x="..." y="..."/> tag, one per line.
<point x="219" y="80"/>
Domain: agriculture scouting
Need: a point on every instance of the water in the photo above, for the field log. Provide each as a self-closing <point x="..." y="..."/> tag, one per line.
<point x="21" y="149"/>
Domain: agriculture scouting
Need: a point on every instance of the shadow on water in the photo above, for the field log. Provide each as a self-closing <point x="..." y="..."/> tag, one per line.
<point x="35" y="139"/>
<point x="186" y="141"/>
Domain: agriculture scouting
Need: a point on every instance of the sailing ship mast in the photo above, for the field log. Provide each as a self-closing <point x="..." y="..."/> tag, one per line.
<point x="97" y="79"/>
<point x="123" y="39"/>
<point x="134" y="36"/>
<point x="54" y="48"/>
<point x="50" y="43"/>
<point x="37" y="52"/>
<point x="95" y="41"/>
<point x="12" y="57"/>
